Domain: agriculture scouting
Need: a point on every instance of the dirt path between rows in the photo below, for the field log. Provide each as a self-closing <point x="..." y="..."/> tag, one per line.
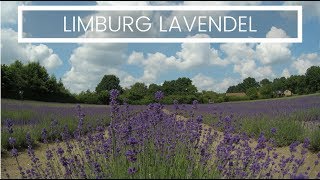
<point x="10" y="164"/>
<point x="310" y="156"/>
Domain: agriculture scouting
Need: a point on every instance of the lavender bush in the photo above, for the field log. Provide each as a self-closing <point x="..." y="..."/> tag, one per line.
<point x="154" y="144"/>
<point x="294" y="118"/>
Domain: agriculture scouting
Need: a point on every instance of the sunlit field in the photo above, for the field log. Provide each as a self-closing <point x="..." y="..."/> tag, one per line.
<point x="261" y="139"/>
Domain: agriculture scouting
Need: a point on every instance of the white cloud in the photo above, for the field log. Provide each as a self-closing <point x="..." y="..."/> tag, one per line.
<point x="237" y="52"/>
<point x="203" y="82"/>
<point x="305" y="61"/>
<point x="250" y="69"/>
<point x="311" y="9"/>
<point x="285" y="73"/>
<point x="26" y="52"/>
<point x="90" y="62"/>
<point x="9" y="11"/>
<point x="269" y="53"/>
<point x="189" y="57"/>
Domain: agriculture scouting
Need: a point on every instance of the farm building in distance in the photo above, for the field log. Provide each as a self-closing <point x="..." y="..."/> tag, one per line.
<point x="242" y="94"/>
<point x="287" y="93"/>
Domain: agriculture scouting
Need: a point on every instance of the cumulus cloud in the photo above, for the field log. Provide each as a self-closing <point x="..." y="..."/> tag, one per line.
<point x="237" y="52"/>
<point x="189" y="57"/>
<point x="269" y="53"/>
<point x="249" y="68"/>
<point x="302" y="63"/>
<point x="90" y="62"/>
<point x="26" y="52"/>
<point x="203" y="82"/>
<point x="9" y="11"/>
<point x="311" y="9"/>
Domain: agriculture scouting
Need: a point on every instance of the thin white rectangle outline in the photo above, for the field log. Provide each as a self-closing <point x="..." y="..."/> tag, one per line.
<point x="21" y="39"/>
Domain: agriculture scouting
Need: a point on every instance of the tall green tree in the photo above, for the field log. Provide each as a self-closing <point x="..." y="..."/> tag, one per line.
<point x="137" y="91"/>
<point x="264" y="82"/>
<point x="297" y="84"/>
<point x="313" y="79"/>
<point x="107" y="83"/>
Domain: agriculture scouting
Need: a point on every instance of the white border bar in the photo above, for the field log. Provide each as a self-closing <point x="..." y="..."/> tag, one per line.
<point x="21" y="39"/>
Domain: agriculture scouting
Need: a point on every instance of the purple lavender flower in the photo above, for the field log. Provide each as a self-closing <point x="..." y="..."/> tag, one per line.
<point x="300" y="176"/>
<point x="199" y="119"/>
<point x="261" y="142"/>
<point x="293" y="146"/>
<point x="114" y="93"/>
<point x="132" y="141"/>
<point x="195" y="104"/>
<point x="14" y="152"/>
<point x="49" y="154"/>
<point x="159" y="95"/>
<point x="132" y="170"/>
<point x="12" y="141"/>
<point x="9" y="124"/>
<point x="306" y="143"/>
<point x="28" y="139"/>
<point x="273" y="130"/>
<point x="131" y="155"/>
<point x="44" y="135"/>
<point x="60" y="151"/>
<point x="175" y="102"/>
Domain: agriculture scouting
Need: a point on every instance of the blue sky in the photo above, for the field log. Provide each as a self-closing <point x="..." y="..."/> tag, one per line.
<point x="210" y="66"/>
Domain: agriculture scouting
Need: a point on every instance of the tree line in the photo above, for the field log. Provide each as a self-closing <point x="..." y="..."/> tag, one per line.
<point x="297" y="84"/>
<point x="32" y="82"/>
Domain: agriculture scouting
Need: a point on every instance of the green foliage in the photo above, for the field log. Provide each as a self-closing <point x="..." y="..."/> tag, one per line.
<point x="107" y="83"/>
<point x="252" y="93"/>
<point x="287" y="132"/>
<point x="181" y="86"/>
<point x="315" y="140"/>
<point x="313" y="79"/>
<point x="264" y="82"/>
<point x="266" y="91"/>
<point x="279" y="84"/>
<point x="89" y="97"/>
<point x="244" y="86"/>
<point x="210" y="96"/>
<point x="31" y="81"/>
<point x="297" y="84"/>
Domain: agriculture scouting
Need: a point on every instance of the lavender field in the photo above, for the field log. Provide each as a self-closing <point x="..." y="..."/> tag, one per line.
<point x="261" y="139"/>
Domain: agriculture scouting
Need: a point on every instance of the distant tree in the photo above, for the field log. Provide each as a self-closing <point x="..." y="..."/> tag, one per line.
<point x="169" y="87"/>
<point x="265" y="82"/>
<point x="248" y="83"/>
<point x="296" y="84"/>
<point x="31" y="81"/>
<point x="107" y="83"/>
<point x="252" y="93"/>
<point x="232" y="89"/>
<point x="266" y="91"/>
<point x="153" y="88"/>
<point x="279" y="84"/>
<point x="137" y="91"/>
<point x="184" y="86"/>
<point x="181" y="86"/>
<point x="244" y="86"/>
<point x="88" y="97"/>
<point x="313" y="79"/>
